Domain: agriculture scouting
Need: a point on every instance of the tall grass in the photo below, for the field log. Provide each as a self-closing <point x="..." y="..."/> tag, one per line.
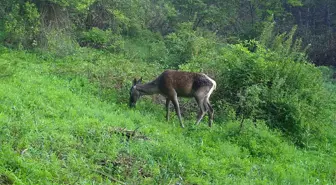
<point x="57" y="126"/>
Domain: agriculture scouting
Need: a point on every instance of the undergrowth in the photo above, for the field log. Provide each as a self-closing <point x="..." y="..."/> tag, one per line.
<point x="66" y="122"/>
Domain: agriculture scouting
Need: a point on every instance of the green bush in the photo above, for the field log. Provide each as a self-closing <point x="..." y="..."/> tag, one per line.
<point x="101" y="39"/>
<point x="59" y="43"/>
<point x="147" y="47"/>
<point x="20" y="25"/>
<point x="288" y="95"/>
<point x="186" y="44"/>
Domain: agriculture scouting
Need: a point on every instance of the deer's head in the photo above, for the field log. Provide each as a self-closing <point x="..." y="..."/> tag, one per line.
<point x="134" y="93"/>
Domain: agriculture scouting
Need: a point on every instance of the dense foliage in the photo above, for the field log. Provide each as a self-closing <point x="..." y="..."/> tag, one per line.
<point x="278" y="85"/>
<point x="30" y="23"/>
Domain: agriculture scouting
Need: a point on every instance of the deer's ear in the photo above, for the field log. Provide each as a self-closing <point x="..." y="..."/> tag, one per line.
<point x="139" y="81"/>
<point x="134" y="81"/>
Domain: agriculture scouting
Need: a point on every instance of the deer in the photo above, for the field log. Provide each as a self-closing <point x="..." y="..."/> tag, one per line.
<point x="173" y="84"/>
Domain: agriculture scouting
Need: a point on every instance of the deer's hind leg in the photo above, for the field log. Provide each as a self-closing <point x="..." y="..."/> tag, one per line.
<point x="201" y="101"/>
<point x="209" y="109"/>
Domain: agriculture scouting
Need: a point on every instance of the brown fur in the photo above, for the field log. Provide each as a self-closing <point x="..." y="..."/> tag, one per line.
<point x="173" y="84"/>
<point x="184" y="83"/>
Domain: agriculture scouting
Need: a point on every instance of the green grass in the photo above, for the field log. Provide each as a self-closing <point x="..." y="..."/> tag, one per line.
<point x="58" y="126"/>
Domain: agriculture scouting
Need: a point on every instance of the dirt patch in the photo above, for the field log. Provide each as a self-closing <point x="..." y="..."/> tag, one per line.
<point x="129" y="134"/>
<point x="5" y="180"/>
<point x="124" y="166"/>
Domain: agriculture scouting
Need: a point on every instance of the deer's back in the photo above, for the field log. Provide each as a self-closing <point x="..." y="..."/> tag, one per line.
<point x="184" y="83"/>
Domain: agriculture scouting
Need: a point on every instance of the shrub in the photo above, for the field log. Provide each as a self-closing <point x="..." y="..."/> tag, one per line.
<point x="186" y="44"/>
<point x="147" y="47"/>
<point x="288" y="95"/>
<point x="102" y="39"/>
<point x="57" y="43"/>
<point x="21" y="25"/>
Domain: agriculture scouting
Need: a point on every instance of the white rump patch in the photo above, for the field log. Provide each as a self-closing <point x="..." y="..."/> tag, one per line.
<point x="214" y="85"/>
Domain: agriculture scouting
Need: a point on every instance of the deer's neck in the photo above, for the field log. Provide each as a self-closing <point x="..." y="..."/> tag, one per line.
<point x="148" y="88"/>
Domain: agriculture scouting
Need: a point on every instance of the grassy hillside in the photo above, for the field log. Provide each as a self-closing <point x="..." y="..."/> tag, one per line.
<point x="59" y="126"/>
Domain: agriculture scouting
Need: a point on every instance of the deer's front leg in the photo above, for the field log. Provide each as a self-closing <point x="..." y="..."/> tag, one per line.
<point x="167" y="108"/>
<point x="177" y="107"/>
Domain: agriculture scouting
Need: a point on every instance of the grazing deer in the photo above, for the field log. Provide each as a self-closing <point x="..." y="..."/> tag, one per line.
<point x="173" y="84"/>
